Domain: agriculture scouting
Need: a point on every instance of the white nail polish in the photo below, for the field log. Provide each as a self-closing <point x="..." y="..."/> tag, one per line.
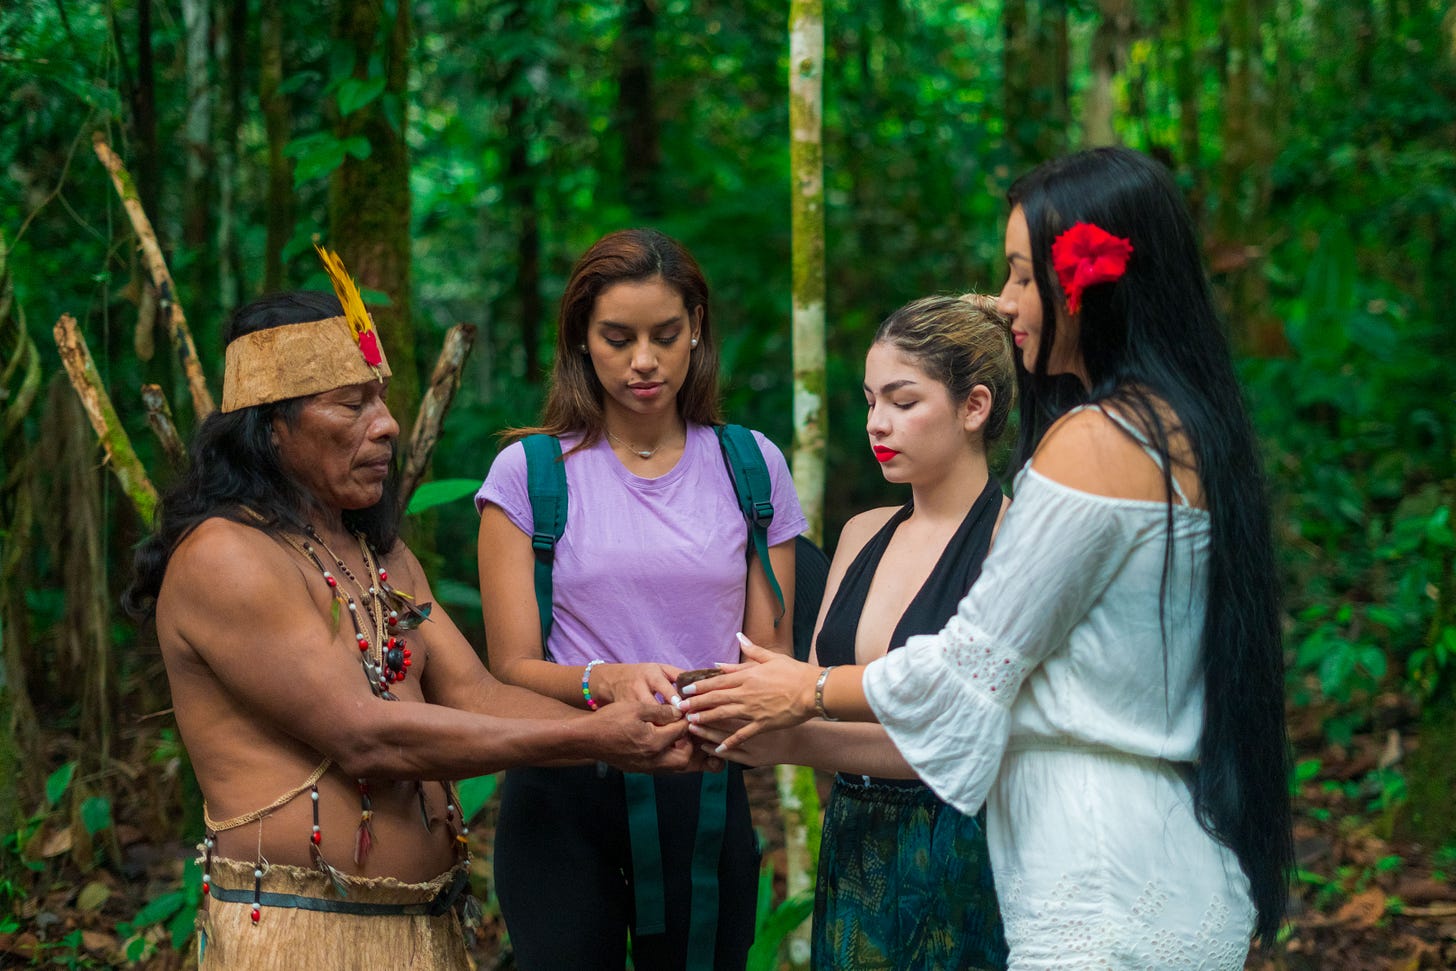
<point x="676" y="701"/>
<point x="741" y="639"/>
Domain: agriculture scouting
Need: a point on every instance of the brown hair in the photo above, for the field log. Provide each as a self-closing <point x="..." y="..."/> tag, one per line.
<point x="574" y="402"/>
<point x="960" y="342"/>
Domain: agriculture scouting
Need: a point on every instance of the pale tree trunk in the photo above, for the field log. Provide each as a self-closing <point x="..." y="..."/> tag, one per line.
<point x="798" y="798"/>
<point x="197" y="128"/>
<point x="278" y="211"/>
<point x="1109" y="54"/>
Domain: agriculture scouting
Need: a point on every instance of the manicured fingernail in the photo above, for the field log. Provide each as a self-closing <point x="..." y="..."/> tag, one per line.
<point x="690" y="690"/>
<point x="741" y="639"/>
<point x="721" y="748"/>
<point x="694" y="718"/>
<point x="676" y="701"/>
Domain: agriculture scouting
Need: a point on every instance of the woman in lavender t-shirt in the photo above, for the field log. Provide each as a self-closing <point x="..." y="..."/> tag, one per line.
<point x="652" y="577"/>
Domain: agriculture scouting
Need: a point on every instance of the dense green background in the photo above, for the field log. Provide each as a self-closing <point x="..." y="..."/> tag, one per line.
<point x="1316" y="141"/>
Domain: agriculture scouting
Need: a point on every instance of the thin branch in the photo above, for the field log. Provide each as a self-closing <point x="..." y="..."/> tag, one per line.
<point x="202" y="403"/>
<point x="81" y="369"/>
<point x="159" y="416"/>
<point x="431" y="417"/>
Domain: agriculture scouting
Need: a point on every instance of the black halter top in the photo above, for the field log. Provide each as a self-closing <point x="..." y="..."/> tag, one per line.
<point x="934" y="603"/>
<point x="936" y="600"/>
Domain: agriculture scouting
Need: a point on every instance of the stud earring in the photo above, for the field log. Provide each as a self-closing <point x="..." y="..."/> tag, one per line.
<point x="581" y="347"/>
<point x="694" y="342"/>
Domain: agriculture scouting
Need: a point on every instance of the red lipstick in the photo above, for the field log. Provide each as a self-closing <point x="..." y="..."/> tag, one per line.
<point x="883" y="454"/>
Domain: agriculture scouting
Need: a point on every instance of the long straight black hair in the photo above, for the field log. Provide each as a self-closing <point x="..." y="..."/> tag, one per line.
<point x="1154" y="336"/>
<point x="235" y="471"/>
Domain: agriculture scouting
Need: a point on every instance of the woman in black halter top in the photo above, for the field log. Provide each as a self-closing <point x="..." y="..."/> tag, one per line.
<point x="904" y="879"/>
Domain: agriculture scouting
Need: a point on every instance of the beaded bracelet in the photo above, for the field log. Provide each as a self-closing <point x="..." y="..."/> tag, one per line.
<point x="819" y="695"/>
<point x="586" y="683"/>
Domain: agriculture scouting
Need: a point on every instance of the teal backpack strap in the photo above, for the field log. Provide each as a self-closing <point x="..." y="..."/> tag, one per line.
<point x="648" y="891"/>
<point x="707" y="850"/>
<point x="546" y="483"/>
<point x="754" y="489"/>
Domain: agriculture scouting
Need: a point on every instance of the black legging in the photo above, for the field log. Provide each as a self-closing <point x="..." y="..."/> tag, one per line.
<point x="563" y="871"/>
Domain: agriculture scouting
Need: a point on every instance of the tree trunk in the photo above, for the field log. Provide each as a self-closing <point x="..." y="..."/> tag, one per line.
<point x="1244" y="175"/>
<point x="1187" y="84"/>
<point x="1036" y="63"/>
<point x="144" y="106"/>
<point x="1109" y="54"/>
<point x="798" y="797"/>
<point x="197" y="128"/>
<point x="369" y="199"/>
<point x="637" y="113"/>
<point x="232" y="48"/>
<point x="20" y="376"/>
<point x="278" y="209"/>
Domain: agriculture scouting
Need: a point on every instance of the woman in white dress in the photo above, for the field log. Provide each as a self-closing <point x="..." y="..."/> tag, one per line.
<point x="1112" y="686"/>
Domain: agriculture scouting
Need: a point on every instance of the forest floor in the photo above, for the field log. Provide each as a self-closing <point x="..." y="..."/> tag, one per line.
<point x="1366" y="898"/>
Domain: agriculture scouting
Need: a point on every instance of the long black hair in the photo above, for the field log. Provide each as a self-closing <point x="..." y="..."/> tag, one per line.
<point x="1154" y="336"/>
<point x="234" y="470"/>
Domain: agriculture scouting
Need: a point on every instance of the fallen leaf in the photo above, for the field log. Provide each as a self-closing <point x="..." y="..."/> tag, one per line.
<point x="57" y="842"/>
<point x="99" y="941"/>
<point x="92" y="896"/>
<point x="1362" y="910"/>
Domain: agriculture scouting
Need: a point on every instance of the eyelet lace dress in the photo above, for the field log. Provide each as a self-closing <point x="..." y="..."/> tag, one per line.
<point x="1062" y="698"/>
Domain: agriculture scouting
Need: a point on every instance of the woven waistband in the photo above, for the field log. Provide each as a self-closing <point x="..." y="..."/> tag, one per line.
<point x="441" y="904"/>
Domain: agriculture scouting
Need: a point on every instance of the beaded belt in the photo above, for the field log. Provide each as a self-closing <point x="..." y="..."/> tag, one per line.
<point x="442" y="903"/>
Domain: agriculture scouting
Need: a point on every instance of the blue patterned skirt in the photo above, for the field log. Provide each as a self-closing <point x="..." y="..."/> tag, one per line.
<point x="904" y="882"/>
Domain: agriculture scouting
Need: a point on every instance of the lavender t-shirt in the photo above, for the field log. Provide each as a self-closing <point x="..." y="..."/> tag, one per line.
<point x="648" y="569"/>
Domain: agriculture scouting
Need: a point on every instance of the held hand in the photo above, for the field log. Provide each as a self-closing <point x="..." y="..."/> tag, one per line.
<point x="769" y="748"/>
<point x="642" y="737"/>
<point x="632" y="682"/>
<point x="767" y="691"/>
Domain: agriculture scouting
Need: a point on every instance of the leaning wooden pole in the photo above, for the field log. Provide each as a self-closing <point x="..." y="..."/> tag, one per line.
<point x="120" y="455"/>
<point x="798" y="797"/>
<point x="431" y="418"/>
<point x="177" y="328"/>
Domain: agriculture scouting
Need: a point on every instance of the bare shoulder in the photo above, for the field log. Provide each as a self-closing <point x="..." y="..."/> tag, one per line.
<point x="222" y="574"/>
<point x="860" y="529"/>
<point x="220" y="553"/>
<point x="1088" y="451"/>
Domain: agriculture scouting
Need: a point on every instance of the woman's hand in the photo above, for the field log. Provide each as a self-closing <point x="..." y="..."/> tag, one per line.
<point x="768" y="691"/>
<point x="769" y="748"/>
<point x="648" y="683"/>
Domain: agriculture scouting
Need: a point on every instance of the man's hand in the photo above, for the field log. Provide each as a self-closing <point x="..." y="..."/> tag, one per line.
<point x="642" y="737"/>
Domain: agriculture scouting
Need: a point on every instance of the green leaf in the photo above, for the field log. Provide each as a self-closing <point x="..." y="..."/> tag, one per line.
<point x="295" y="82"/>
<point x="764" y="954"/>
<point x="356" y="93"/>
<point x="159" y="909"/>
<point x="96" y="814"/>
<point x="440" y="492"/>
<point x="359" y="147"/>
<point x="58" y="783"/>
<point x="474" y="794"/>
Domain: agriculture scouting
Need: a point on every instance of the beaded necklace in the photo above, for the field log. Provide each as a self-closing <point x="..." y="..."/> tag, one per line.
<point x="386" y="660"/>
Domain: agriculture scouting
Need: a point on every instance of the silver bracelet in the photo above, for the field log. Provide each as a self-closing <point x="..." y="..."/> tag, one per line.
<point x="819" y="695"/>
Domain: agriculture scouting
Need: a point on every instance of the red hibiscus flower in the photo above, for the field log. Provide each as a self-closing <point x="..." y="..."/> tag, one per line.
<point x="1087" y="254"/>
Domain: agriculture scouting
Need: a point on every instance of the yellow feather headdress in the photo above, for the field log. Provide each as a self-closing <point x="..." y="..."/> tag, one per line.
<point x="360" y="324"/>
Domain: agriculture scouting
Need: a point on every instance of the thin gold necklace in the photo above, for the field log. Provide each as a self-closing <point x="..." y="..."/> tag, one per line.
<point x="644" y="453"/>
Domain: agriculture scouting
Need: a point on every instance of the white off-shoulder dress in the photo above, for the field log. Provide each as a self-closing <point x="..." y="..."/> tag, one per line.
<point x="1058" y="697"/>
